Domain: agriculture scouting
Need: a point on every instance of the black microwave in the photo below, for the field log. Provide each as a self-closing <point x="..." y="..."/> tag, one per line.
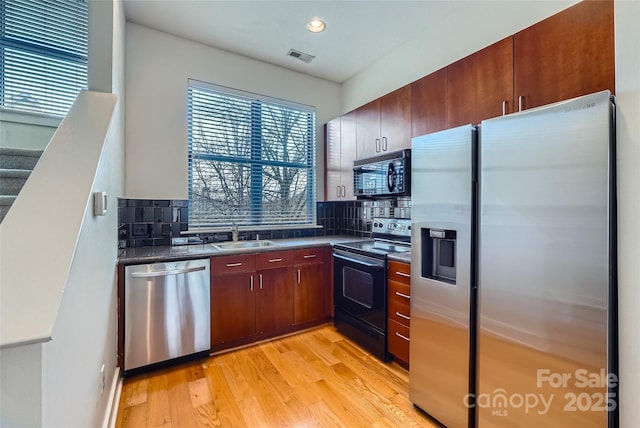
<point x="385" y="175"/>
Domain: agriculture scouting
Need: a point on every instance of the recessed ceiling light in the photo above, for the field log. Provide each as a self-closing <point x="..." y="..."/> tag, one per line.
<point x="316" y="25"/>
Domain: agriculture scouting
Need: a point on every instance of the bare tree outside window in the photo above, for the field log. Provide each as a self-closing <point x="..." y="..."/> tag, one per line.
<point x="251" y="161"/>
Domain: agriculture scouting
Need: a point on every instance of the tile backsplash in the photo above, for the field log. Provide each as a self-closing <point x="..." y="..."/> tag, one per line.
<point x="150" y="222"/>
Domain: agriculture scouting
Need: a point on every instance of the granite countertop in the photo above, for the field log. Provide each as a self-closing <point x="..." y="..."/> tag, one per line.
<point x="400" y="257"/>
<point x="198" y="251"/>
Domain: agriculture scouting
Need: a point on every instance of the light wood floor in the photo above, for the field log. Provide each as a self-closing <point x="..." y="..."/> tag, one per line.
<point x="313" y="379"/>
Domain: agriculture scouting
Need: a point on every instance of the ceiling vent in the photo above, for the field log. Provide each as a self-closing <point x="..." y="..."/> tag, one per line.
<point x="300" y="55"/>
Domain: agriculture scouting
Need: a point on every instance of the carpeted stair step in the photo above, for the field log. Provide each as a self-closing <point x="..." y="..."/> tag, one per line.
<point x="12" y="180"/>
<point x="5" y="204"/>
<point x="11" y="158"/>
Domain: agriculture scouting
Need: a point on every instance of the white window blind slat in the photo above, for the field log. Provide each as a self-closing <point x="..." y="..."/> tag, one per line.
<point x="43" y="54"/>
<point x="251" y="159"/>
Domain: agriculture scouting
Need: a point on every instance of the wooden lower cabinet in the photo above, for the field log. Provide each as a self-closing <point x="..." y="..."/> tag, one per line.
<point x="399" y="310"/>
<point x="274" y="291"/>
<point x="262" y="295"/>
<point x="312" y="284"/>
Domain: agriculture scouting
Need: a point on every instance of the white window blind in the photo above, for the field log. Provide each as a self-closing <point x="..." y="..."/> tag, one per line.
<point x="43" y="54"/>
<point x="251" y="159"/>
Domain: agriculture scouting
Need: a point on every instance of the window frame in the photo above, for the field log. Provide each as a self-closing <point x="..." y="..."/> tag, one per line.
<point x="72" y="57"/>
<point x="256" y="219"/>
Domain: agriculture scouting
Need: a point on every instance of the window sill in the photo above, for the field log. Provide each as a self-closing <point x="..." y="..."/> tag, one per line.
<point x="29" y="118"/>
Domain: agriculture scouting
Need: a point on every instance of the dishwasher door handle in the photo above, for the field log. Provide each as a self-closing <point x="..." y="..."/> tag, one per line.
<point x="157" y="273"/>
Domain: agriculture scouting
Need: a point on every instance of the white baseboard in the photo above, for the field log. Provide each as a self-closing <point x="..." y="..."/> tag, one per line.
<point x="111" y="413"/>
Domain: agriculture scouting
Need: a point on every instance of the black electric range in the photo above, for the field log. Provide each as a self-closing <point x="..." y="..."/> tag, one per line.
<point x="360" y="283"/>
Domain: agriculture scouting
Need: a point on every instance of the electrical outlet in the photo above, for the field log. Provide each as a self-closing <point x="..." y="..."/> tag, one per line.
<point x="102" y="380"/>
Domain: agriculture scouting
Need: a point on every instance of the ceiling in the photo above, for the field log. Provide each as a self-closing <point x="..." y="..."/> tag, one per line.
<point x="358" y="32"/>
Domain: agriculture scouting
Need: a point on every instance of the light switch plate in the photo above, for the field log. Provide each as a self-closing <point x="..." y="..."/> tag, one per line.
<point x="100" y="203"/>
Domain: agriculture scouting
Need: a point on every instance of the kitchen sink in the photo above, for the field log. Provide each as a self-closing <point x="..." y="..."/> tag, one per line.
<point x="239" y="245"/>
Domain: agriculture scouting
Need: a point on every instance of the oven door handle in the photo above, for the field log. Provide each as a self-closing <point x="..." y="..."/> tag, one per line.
<point x="359" y="261"/>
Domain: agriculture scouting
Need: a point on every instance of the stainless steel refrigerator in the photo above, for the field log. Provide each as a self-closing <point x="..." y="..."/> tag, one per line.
<point x="513" y="286"/>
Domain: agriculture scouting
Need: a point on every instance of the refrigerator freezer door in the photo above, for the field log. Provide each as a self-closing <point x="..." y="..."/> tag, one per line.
<point x="441" y="205"/>
<point x="544" y="266"/>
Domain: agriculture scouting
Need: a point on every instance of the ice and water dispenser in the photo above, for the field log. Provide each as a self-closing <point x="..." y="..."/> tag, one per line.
<point x="439" y="254"/>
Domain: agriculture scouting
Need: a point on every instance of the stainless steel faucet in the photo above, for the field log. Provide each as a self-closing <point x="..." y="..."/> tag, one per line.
<point x="234" y="232"/>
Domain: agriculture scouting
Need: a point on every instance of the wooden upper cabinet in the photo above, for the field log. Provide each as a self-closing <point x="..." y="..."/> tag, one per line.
<point x="480" y="86"/>
<point x="333" y="172"/>
<point x="347" y="153"/>
<point x="384" y="124"/>
<point x="429" y="103"/>
<point x="566" y="55"/>
<point x="368" y="129"/>
<point x="340" y="152"/>
<point x="395" y="120"/>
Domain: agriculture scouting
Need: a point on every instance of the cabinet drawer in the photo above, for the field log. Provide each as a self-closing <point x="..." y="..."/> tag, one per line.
<point x="398" y="341"/>
<point x="400" y="272"/>
<point x="399" y="292"/>
<point x="233" y="264"/>
<point x="274" y="259"/>
<point x="399" y="312"/>
<point x="310" y="255"/>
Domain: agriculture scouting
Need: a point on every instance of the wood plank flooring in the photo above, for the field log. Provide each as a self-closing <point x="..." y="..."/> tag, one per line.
<point x="314" y="379"/>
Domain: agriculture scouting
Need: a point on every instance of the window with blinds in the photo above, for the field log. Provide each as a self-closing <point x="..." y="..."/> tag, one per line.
<point x="251" y="159"/>
<point x="43" y="54"/>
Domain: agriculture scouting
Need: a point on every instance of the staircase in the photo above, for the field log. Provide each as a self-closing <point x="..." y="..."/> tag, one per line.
<point x="15" y="167"/>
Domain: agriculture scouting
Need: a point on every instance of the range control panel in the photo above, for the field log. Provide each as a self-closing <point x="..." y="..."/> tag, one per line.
<point x="392" y="226"/>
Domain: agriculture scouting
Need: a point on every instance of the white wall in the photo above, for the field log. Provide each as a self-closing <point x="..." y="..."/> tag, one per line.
<point x="84" y="336"/>
<point x="158" y="67"/>
<point x="21" y="386"/>
<point x="627" y="22"/>
<point x="26" y="131"/>
<point x="479" y="24"/>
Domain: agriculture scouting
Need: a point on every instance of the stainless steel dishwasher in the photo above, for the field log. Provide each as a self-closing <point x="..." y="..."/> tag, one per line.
<point x="167" y="311"/>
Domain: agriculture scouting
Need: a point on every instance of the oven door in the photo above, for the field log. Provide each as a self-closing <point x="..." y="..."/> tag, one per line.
<point x="360" y="287"/>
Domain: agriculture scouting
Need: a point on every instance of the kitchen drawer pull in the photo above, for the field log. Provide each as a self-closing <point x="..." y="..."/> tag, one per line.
<point x="275" y="260"/>
<point x="402" y="315"/>
<point x="298" y="276"/>
<point x="309" y="256"/>
<point x="403" y="337"/>
<point x="406" y="275"/>
<point x="260" y="281"/>
<point x="402" y="295"/>
<point x="251" y="282"/>
<point x="234" y="264"/>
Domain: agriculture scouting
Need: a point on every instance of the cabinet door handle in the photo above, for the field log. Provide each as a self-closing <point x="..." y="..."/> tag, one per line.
<point x="275" y="260"/>
<point x="384" y="144"/>
<point x="309" y="256"/>
<point x="406" y="275"/>
<point x="520" y="102"/>
<point x="344" y="191"/>
<point x="298" y="276"/>
<point x="402" y="295"/>
<point x="402" y="337"/>
<point x="260" y="281"/>
<point x="504" y="107"/>
<point x="251" y="282"/>
<point x="338" y="191"/>
<point x="402" y="315"/>
<point x="378" y="145"/>
<point x="234" y="264"/>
